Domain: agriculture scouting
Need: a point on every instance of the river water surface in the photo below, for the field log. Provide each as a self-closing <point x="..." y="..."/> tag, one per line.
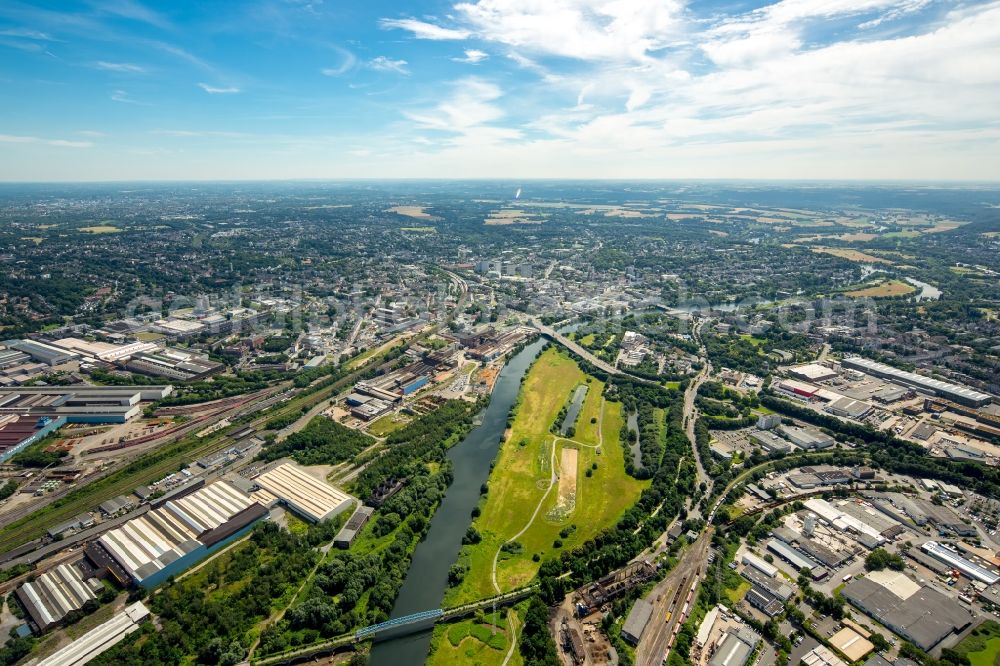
<point x="427" y="579"/>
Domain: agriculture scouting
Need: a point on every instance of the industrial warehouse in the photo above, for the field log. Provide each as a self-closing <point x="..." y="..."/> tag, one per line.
<point x="167" y="540"/>
<point x="309" y="497"/>
<point x="960" y="394"/>
<point x="30" y="413"/>
<point x="100" y="639"/>
<point x="57" y="593"/>
<point x="920" y="614"/>
<point x="80" y="403"/>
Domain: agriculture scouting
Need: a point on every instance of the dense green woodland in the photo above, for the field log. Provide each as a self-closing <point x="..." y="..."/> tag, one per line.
<point x="322" y="442"/>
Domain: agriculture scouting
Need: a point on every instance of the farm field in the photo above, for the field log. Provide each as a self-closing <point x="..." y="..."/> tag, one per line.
<point x="416" y="212"/>
<point x="851" y="255"/>
<point x="522" y="484"/>
<point x="884" y="290"/>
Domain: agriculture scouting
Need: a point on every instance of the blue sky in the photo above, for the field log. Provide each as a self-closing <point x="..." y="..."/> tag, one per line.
<point x="848" y="89"/>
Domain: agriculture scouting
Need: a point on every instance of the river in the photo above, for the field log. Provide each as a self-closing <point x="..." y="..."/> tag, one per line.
<point x="928" y="292"/>
<point x="427" y="579"/>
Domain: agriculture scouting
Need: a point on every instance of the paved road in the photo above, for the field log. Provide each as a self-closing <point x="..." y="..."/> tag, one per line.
<point x="690" y="413"/>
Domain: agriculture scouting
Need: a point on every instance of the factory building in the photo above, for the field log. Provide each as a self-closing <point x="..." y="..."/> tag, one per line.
<point x="169" y="539"/>
<point x="43" y="353"/>
<point x="797" y="558"/>
<point x="822" y="656"/>
<point x="812" y="548"/>
<point x="17" y="433"/>
<point x="960" y="394"/>
<point x="175" y="364"/>
<point x="796" y="389"/>
<point x="850" y="408"/>
<point x="770" y="442"/>
<point x="764" y="602"/>
<point x="100" y="639"/>
<point x="812" y="372"/>
<point x="953" y="559"/>
<point x="921" y="615"/>
<point x="345" y="537"/>
<point x="806" y="438"/>
<point x="307" y="496"/>
<point x="80" y="403"/>
<point x="56" y="593"/>
<point x="776" y="587"/>
<point x="11" y="357"/>
<point x="103" y="351"/>
<point x="735" y="648"/>
<point x="861" y="521"/>
<point x="760" y="565"/>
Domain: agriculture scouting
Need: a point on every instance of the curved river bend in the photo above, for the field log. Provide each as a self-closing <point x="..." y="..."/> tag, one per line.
<point x="427" y="579"/>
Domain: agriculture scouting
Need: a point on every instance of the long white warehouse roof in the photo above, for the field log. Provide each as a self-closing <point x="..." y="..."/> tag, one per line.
<point x="971" y="569"/>
<point x="311" y="497"/>
<point x="150" y="542"/>
<point x="99" y="639"/>
<point x="914" y="378"/>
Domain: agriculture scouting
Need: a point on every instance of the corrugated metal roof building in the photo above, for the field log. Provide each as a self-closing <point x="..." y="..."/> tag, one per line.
<point x="100" y="638"/>
<point x="309" y="497"/>
<point x="54" y="594"/>
<point x="168" y="539"/>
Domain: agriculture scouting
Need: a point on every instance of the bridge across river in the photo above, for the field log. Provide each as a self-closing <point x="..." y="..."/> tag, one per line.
<point x="397" y="627"/>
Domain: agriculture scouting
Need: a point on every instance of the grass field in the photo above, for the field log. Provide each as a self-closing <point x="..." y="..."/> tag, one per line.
<point x="101" y="229"/>
<point x="737" y="595"/>
<point x="472" y="642"/>
<point x="519" y="483"/>
<point x="884" y="290"/>
<point x="362" y="358"/>
<point x="851" y="255"/>
<point x="382" y="426"/>
<point x="983" y="647"/>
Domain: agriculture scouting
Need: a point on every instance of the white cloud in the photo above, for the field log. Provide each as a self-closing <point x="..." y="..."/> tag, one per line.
<point x="472" y="56"/>
<point x="125" y="98"/>
<point x="123" y="67"/>
<point x="346" y="65"/>
<point x="26" y="33"/>
<point x="132" y="10"/>
<point x="384" y="64"/>
<point x="468" y="116"/>
<point x="60" y="143"/>
<point x="423" y="30"/>
<point x="217" y="90"/>
<point x="874" y="103"/>
<point x="583" y="29"/>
